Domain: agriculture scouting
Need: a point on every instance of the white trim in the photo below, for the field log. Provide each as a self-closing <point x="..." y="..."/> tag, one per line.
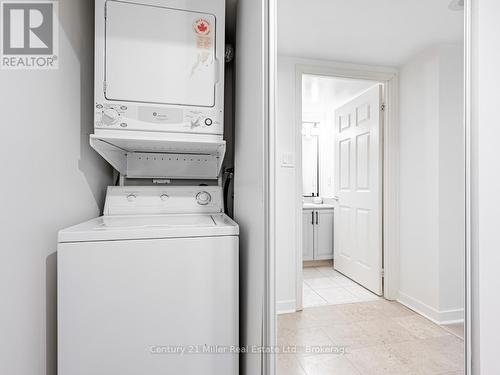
<point x="298" y="194"/>
<point x="437" y="316"/>
<point x="285" y="307"/>
<point x="391" y="190"/>
<point x="269" y="42"/>
<point x="389" y="77"/>
<point x="468" y="180"/>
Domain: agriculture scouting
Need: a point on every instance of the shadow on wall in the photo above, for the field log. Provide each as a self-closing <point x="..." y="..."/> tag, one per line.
<point x="51" y="313"/>
<point x="90" y="162"/>
<point x="76" y="20"/>
<point x="81" y="37"/>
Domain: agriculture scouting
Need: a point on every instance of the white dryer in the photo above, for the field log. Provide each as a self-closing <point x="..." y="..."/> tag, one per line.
<point x="159" y="66"/>
<point x="159" y="87"/>
<point x="151" y="287"/>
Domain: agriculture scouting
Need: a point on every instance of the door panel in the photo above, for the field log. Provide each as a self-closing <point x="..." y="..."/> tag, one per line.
<point x="358" y="230"/>
<point x="362" y="231"/>
<point x="343" y="232"/>
<point x="345" y="164"/>
<point x="307" y="235"/>
<point x="323" y="235"/>
<point x="363" y="162"/>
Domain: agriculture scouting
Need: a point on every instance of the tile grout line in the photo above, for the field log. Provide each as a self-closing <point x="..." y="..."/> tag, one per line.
<point x="350" y="359"/>
<point x="300" y="364"/>
<point x="345" y="288"/>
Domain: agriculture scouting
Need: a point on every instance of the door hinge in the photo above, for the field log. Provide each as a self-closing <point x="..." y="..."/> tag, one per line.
<point x="105" y="11"/>
<point x="104" y="87"/>
<point x="382" y="107"/>
<point x="382" y="272"/>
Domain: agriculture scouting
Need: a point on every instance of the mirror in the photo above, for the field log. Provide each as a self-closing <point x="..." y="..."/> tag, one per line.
<point x="310" y="159"/>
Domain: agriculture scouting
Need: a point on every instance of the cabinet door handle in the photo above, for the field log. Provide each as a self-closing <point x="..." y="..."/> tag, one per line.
<point x="312" y="217"/>
<point x="317" y="218"/>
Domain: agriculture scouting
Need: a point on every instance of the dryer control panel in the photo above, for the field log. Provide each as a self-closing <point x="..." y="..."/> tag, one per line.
<point x="156" y="118"/>
<point x="152" y="200"/>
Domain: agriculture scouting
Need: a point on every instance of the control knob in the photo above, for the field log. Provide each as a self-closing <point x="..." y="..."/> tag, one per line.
<point x="203" y="198"/>
<point x="195" y="122"/>
<point x="110" y="116"/>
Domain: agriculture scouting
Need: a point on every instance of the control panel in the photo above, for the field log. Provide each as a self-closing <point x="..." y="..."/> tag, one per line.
<point x="152" y="200"/>
<point x="150" y="118"/>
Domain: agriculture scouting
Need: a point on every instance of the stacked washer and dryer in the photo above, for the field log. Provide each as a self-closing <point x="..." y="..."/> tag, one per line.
<point x="151" y="287"/>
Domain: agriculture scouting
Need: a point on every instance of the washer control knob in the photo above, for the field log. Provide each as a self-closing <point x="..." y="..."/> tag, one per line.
<point x="131" y="197"/>
<point x="203" y="198"/>
<point x="208" y="121"/>
<point x="195" y="122"/>
<point x="164" y="197"/>
<point x="110" y="116"/>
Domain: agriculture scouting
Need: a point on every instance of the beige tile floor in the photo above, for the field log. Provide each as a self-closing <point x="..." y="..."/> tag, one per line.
<point x="367" y="338"/>
<point x="456" y="328"/>
<point x="325" y="286"/>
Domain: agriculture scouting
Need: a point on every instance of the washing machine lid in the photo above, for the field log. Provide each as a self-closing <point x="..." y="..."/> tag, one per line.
<point x="132" y="227"/>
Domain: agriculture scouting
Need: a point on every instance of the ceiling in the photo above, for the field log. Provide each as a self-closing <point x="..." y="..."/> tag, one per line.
<point x="320" y="92"/>
<point x="382" y="32"/>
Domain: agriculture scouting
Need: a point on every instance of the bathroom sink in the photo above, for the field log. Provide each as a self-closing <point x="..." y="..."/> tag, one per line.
<point x="314" y="206"/>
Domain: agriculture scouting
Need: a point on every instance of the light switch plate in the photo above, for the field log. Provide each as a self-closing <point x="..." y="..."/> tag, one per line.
<point x="287" y="160"/>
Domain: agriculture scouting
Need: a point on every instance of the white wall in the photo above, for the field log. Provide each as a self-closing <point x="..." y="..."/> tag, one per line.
<point x="288" y="197"/>
<point x="451" y="184"/>
<point x="50" y="179"/>
<point x="431" y="186"/>
<point x="485" y="155"/>
<point x="419" y="113"/>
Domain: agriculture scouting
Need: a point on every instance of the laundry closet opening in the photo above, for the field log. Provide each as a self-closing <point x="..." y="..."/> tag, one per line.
<point x="160" y="266"/>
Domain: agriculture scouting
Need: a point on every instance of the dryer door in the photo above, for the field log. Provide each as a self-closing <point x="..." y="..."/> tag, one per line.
<point x="159" y="55"/>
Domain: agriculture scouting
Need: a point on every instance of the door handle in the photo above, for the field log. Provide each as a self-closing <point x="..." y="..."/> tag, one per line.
<point x="312" y="217"/>
<point x="317" y="218"/>
<point x="336" y="198"/>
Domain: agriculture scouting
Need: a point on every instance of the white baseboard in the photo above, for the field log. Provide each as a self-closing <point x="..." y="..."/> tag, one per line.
<point x="437" y="316"/>
<point x="284" y="307"/>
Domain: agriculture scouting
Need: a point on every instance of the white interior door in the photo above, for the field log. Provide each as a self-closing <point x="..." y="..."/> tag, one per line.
<point x="358" y="167"/>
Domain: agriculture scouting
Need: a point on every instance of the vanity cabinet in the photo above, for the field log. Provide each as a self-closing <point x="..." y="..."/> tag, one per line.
<point x="307" y="235"/>
<point x="317" y="234"/>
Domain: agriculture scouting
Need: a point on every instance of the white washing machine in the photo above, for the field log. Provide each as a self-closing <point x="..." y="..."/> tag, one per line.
<point x="151" y="287"/>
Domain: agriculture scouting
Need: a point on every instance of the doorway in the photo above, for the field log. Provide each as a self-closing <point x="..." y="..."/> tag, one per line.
<point x="349" y="81"/>
<point x="341" y="130"/>
<point x="415" y="322"/>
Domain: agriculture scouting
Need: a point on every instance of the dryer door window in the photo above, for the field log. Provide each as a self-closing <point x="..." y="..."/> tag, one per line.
<point x="159" y="55"/>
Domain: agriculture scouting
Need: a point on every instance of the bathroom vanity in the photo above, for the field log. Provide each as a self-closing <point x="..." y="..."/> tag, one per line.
<point x="317" y="231"/>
